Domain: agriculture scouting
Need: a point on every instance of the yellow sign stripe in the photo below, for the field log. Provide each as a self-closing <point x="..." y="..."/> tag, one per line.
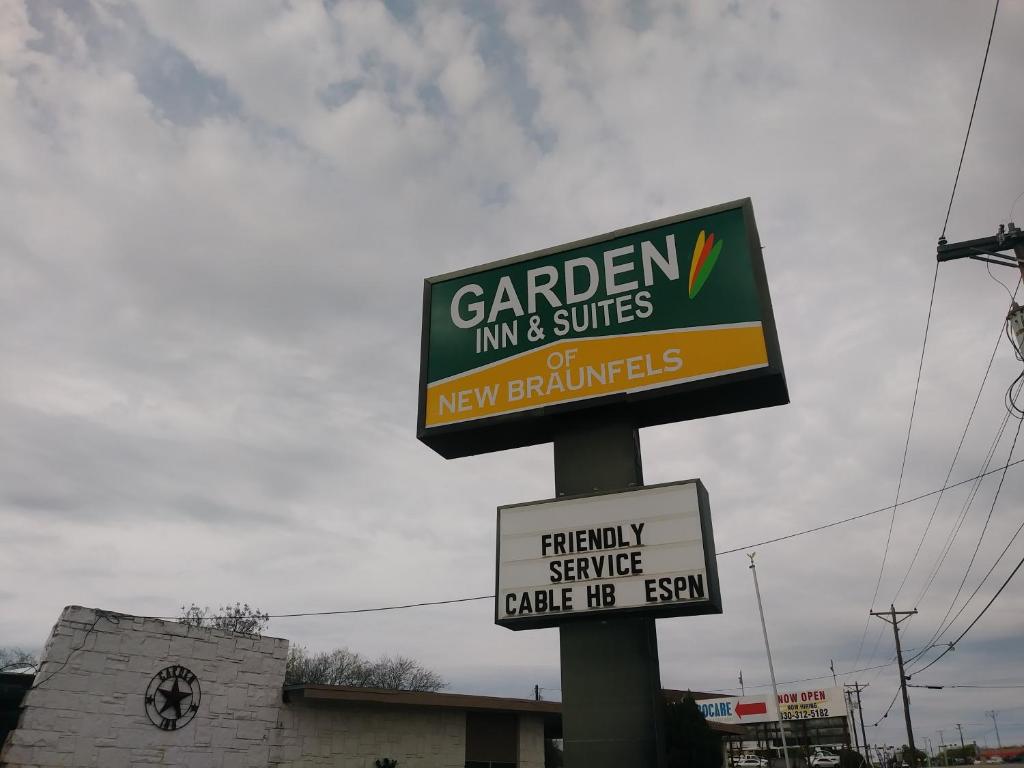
<point x="584" y="368"/>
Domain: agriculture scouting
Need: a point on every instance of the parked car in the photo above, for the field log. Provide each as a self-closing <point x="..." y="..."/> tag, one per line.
<point x="824" y="760"/>
<point x="750" y="761"/>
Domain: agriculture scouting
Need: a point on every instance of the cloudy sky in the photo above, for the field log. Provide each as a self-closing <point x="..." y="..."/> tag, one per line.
<point x="216" y="219"/>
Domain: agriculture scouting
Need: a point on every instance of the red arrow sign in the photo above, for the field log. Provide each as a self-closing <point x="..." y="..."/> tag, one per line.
<point x="753" y="708"/>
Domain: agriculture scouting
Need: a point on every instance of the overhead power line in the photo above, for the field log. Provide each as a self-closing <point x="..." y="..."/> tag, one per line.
<point x="970" y="122"/>
<point x="341" y="612"/>
<point x="981" y="536"/>
<point x="984" y="579"/>
<point x="910" y="430"/>
<point x="956" y="455"/>
<point x="943" y="626"/>
<point x="958" y="522"/>
<point x="805" y="679"/>
<point x="862" y="515"/>
<point x="961" y="518"/>
<point x="977" y="618"/>
<point x="815" y="529"/>
<point x="903" y="463"/>
<point x="949" y="685"/>
<point x="956" y="529"/>
<point x="887" y="709"/>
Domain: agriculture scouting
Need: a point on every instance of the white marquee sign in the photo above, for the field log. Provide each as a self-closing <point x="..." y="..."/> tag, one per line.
<point x="644" y="550"/>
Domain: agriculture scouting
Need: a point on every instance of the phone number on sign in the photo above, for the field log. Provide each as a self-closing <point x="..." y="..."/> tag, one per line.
<point x="806" y="714"/>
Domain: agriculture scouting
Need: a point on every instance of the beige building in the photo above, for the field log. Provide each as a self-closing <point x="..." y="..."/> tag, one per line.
<point x="414" y="727"/>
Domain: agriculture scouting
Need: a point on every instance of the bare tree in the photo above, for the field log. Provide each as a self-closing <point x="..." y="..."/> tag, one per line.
<point x="404" y="674"/>
<point x="17" y="660"/>
<point x="338" y="667"/>
<point x="235" y="618"/>
<point x="344" y="667"/>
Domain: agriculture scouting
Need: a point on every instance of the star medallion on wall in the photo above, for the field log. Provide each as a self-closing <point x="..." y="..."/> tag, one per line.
<point x="172" y="698"/>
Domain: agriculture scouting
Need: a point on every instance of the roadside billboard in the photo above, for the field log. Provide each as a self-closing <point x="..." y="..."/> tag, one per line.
<point x="645" y="550"/>
<point x="737" y="710"/>
<point x="665" y="321"/>
<point x="806" y="704"/>
<point x="812" y="703"/>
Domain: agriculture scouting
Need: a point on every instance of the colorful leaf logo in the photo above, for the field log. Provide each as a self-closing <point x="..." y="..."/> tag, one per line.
<point x="705" y="254"/>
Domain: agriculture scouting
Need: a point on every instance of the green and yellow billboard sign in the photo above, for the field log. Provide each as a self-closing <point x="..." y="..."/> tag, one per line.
<point x="661" y="322"/>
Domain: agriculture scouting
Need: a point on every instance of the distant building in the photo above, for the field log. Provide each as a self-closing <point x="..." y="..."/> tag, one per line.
<point x="1012" y="754"/>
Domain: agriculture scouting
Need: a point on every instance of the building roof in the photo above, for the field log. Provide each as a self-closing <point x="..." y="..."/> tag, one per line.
<point x="351" y="694"/>
<point x="347" y="695"/>
<point x="550" y="710"/>
<point x="673" y="694"/>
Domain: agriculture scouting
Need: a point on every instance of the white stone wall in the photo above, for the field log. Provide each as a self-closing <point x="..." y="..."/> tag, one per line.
<point x="354" y="736"/>
<point x="87" y="707"/>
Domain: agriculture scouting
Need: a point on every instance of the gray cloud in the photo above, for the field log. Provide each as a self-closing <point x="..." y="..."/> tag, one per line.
<point x="218" y="218"/>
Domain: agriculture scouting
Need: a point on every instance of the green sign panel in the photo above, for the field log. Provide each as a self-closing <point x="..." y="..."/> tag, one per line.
<point x="664" y="321"/>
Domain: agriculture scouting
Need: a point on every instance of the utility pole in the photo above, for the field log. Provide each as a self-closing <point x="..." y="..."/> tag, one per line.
<point x="945" y="753"/>
<point x="857" y="688"/>
<point x="771" y="667"/>
<point x="988" y="249"/>
<point x="891" y="617"/>
<point x="536" y="693"/>
<point x="993" y="250"/>
<point x="851" y="721"/>
<point x="832" y="666"/>
<point x="992" y="713"/>
<point x="743" y="691"/>
<point x="960" y="728"/>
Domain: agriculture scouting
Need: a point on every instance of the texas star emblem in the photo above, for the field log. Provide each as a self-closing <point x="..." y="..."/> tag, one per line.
<point x="172" y="698"/>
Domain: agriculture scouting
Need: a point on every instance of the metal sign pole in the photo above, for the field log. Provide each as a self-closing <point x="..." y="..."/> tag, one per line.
<point x="612" y="702"/>
<point x="771" y="667"/>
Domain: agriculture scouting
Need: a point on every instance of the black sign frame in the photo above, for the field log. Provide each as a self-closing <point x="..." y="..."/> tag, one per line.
<point x="712" y="604"/>
<point x="714" y="396"/>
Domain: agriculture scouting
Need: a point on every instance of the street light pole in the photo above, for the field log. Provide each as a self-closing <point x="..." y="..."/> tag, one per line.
<point x="771" y="667"/>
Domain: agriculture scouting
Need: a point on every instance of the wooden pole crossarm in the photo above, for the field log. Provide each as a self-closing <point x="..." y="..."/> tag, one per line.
<point x="992" y="246"/>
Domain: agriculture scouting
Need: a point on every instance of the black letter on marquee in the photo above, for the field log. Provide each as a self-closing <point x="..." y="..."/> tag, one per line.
<point x="649" y="589"/>
<point x="556" y="574"/>
<point x="697" y="585"/>
<point x="607" y="595"/>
